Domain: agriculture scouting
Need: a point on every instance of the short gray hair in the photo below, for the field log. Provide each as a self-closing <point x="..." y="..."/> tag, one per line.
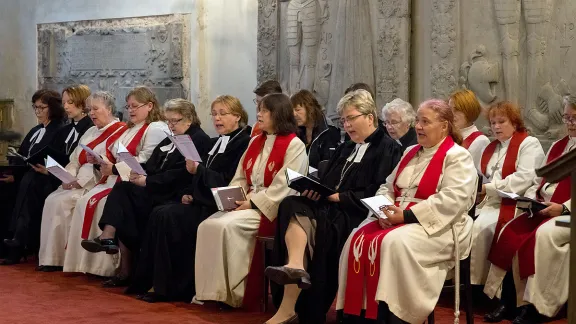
<point x="403" y="108"/>
<point x="570" y="100"/>
<point x="107" y="98"/>
<point x="362" y="101"/>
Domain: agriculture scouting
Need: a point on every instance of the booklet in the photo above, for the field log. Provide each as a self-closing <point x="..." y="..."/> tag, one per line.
<point x="91" y="152"/>
<point x="126" y="157"/>
<point x="528" y="205"/>
<point x="226" y="197"/>
<point x="58" y="171"/>
<point x="302" y="183"/>
<point x="375" y="203"/>
<point x="40" y="157"/>
<point x="186" y="146"/>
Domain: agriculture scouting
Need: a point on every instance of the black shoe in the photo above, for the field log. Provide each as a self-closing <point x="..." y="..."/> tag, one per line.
<point x="116" y="281"/>
<point x="152" y="298"/>
<point x="13" y="243"/>
<point x="287" y="276"/>
<point x="528" y="315"/>
<point x="100" y="245"/>
<point x="498" y="314"/>
<point x="39" y="268"/>
<point x="51" y="268"/>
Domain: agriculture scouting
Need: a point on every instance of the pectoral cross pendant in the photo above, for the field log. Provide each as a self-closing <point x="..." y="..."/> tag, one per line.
<point x="495" y="168"/>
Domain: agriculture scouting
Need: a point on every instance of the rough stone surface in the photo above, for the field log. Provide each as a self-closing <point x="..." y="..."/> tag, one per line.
<point x="6" y="123"/>
<point x="116" y="55"/>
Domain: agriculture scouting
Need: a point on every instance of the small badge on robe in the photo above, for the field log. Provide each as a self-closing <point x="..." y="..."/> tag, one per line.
<point x="92" y="201"/>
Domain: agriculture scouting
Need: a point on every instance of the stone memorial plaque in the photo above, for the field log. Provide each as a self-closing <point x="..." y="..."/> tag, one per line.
<point x="116" y="55"/>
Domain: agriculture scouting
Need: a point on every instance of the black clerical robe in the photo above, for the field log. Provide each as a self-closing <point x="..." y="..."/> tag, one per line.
<point x="325" y="140"/>
<point x="334" y="221"/>
<point x="409" y="139"/>
<point x="68" y="137"/>
<point x="167" y="251"/>
<point x="128" y="205"/>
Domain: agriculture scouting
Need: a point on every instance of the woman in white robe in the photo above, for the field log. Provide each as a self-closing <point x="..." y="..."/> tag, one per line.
<point x="59" y="206"/>
<point x="226" y="240"/>
<point x="466" y="110"/>
<point x="508" y="165"/>
<point x="542" y="286"/>
<point x="145" y="131"/>
<point x="433" y="187"/>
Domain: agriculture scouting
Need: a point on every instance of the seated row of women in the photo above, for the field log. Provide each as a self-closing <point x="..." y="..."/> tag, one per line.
<point x="172" y="238"/>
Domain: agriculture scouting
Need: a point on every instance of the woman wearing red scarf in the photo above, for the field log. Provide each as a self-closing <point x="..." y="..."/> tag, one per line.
<point x="402" y="260"/>
<point x="226" y="240"/>
<point x="531" y="268"/>
<point x="507" y="165"/>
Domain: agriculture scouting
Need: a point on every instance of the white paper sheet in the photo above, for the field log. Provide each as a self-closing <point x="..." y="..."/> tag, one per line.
<point x="92" y="153"/>
<point x="126" y="157"/>
<point x="58" y="171"/>
<point x="186" y="147"/>
<point x="374" y="203"/>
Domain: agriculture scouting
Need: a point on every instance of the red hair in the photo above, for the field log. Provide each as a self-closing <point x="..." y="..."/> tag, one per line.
<point x="445" y="113"/>
<point x="508" y="110"/>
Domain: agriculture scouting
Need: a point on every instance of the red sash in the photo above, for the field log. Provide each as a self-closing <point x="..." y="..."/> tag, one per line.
<point x="94" y="200"/>
<point x="82" y="159"/>
<point x="507" y="206"/>
<point x="256" y="130"/>
<point x="254" y="294"/>
<point x="470" y="139"/>
<point x="519" y="236"/>
<point x="364" y="268"/>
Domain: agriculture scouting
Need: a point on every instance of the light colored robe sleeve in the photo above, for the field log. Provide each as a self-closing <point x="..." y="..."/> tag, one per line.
<point x="455" y="194"/>
<point x="268" y="200"/>
<point x="530" y="156"/>
<point x="532" y="191"/>
<point x="477" y="148"/>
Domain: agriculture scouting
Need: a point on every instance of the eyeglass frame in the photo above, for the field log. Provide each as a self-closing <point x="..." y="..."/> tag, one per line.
<point x="129" y="108"/>
<point x="172" y="122"/>
<point x="350" y="119"/>
<point x="388" y="123"/>
<point x="35" y="108"/>
<point x="569" y="120"/>
<point x="219" y="114"/>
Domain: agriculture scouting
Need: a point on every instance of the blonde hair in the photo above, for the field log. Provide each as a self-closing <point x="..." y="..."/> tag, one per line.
<point x="184" y="108"/>
<point x="144" y="95"/>
<point x="465" y="102"/>
<point x="78" y="93"/>
<point x="235" y="107"/>
<point x="362" y="101"/>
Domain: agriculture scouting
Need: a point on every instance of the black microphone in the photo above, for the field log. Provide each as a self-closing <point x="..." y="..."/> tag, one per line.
<point x="9" y="136"/>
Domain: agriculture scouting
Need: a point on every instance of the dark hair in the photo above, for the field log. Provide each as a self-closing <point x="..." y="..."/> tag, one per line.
<point x="509" y="110"/>
<point x="281" y="112"/>
<point x="360" y="86"/>
<point x="307" y="100"/>
<point x="268" y="87"/>
<point x="53" y="100"/>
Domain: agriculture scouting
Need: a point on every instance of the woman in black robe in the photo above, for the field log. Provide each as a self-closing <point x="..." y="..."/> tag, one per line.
<point x="320" y="138"/>
<point x="36" y="183"/>
<point x="167" y="255"/>
<point x="399" y="119"/>
<point x="129" y="203"/>
<point x="312" y="230"/>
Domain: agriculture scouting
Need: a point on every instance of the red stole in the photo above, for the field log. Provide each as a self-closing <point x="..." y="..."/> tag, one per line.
<point x="364" y="268"/>
<point x="82" y="159"/>
<point x="507" y="206"/>
<point x="254" y="294"/>
<point x="470" y="139"/>
<point x="256" y="130"/>
<point x="519" y="236"/>
<point x="94" y="200"/>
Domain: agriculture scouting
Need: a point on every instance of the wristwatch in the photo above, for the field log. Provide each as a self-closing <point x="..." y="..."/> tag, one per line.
<point x="565" y="210"/>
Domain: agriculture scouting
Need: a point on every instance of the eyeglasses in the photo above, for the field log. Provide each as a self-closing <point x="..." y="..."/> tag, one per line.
<point x="173" y="122"/>
<point x="389" y="123"/>
<point x="128" y="107"/>
<point x="569" y="120"/>
<point x="36" y="108"/>
<point x="256" y="101"/>
<point x="221" y="114"/>
<point x="349" y="119"/>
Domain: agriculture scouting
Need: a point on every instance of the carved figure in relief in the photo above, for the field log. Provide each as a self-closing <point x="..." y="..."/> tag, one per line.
<point x="537" y="15"/>
<point x="480" y="76"/>
<point x="302" y="40"/>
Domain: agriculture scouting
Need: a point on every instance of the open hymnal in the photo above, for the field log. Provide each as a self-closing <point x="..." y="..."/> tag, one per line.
<point x="528" y="205"/>
<point x="58" y="171"/>
<point x="91" y="152"/>
<point x="313" y="172"/>
<point x="226" y="197"/>
<point x="186" y="146"/>
<point x="40" y="157"/>
<point x="301" y="183"/>
<point x="126" y="157"/>
<point x="374" y="204"/>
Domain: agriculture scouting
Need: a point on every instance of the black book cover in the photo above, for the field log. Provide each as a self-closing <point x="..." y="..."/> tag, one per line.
<point x="40" y="156"/>
<point x="302" y="183"/>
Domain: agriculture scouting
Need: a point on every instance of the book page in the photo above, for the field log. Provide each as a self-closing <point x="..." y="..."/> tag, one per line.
<point x="292" y="175"/>
<point x="509" y="195"/>
<point x="126" y="157"/>
<point x="186" y="146"/>
<point x="58" y="171"/>
<point x="375" y="203"/>
<point x="92" y="153"/>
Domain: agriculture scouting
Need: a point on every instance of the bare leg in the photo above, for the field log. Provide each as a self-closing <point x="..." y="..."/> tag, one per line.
<point x="296" y="242"/>
<point x="108" y="233"/>
<point x="288" y="306"/>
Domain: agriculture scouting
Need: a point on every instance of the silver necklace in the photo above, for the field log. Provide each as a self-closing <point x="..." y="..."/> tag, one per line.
<point x="347" y="167"/>
<point x="497" y="165"/>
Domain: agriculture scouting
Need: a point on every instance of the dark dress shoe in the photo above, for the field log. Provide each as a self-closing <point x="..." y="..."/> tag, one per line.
<point x="100" y="245"/>
<point x="152" y="298"/>
<point x="116" y="281"/>
<point x="291" y="320"/>
<point x="39" y="268"/>
<point x="528" y="315"/>
<point x="288" y="276"/>
<point x="13" y="243"/>
<point x="497" y="315"/>
<point x="51" y="268"/>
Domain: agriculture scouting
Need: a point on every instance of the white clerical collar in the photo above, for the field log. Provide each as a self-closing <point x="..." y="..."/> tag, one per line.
<point x="466" y="131"/>
<point x="358" y="152"/>
<point x="38" y="135"/>
<point x="433" y="148"/>
<point x="571" y="143"/>
<point x="221" y="144"/>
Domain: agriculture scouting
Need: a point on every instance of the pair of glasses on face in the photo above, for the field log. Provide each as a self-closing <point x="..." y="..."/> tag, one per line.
<point x="389" y="123"/>
<point x="221" y="114"/>
<point x="173" y="122"/>
<point x="39" y="108"/>
<point x="129" y="108"/>
<point x="256" y="101"/>
<point x="569" y="120"/>
<point x="349" y="119"/>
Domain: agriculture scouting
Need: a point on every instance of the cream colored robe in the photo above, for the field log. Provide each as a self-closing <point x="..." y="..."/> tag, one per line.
<point x="59" y="205"/>
<point x="478" y="146"/>
<point x="547" y="289"/>
<point x="416" y="258"/>
<point x="530" y="156"/>
<point x="76" y="258"/>
<point x="226" y="240"/>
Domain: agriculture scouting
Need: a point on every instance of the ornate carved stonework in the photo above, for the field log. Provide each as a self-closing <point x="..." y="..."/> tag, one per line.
<point x="444" y="77"/>
<point x="267" y="40"/>
<point x="6" y="123"/>
<point x="117" y="54"/>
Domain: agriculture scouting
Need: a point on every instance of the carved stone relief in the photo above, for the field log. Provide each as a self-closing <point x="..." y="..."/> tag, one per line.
<point x="267" y="39"/>
<point x="480" y="76"/>
<point x="444" y="31"/>
<point x="6" y="123"/>
<point x="116" y="54"/>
